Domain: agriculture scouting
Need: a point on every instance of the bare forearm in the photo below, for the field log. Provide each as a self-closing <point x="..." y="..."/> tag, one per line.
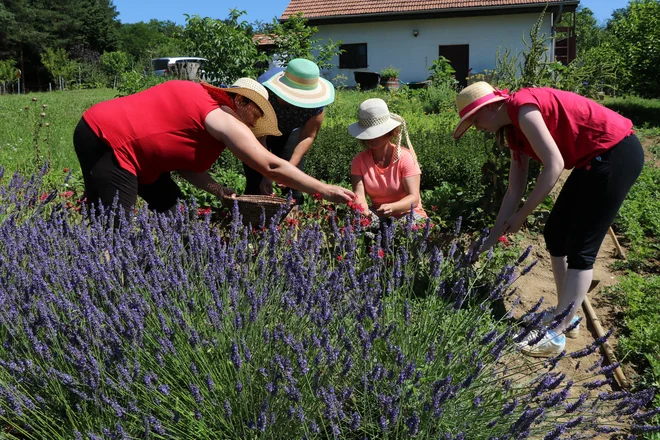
<point x="287" y="174"/>
<point x="299" y="152"/>
<point x="544" y="184"/>
<point x="403" y="205"/>
<point x="204" y="181"/>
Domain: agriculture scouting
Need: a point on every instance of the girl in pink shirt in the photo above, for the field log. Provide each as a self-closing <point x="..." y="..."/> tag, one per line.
<point x="386" y="172"/>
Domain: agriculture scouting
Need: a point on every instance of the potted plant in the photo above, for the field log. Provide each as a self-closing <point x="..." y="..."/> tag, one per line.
<point x="389" y="78"/>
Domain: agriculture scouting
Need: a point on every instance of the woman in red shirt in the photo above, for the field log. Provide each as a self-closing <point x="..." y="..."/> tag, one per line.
<point x="128" y="146"/>
<point x="562" y="130"/>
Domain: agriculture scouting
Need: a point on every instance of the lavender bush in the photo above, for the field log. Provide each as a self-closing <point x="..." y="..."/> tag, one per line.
<point x="167" y="327"/>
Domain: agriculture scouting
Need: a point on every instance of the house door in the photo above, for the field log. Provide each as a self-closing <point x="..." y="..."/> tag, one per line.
<point x="459" y="57"/>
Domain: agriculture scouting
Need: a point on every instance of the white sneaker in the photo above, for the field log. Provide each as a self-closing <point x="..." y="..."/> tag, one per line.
<point x="550" y="345"/>
<point x="572" y="334"/>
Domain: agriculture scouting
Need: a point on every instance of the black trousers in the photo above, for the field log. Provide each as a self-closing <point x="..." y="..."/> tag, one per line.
<point x="589" y="202"/>
<point x="282" y="147"/>
<point x="105" y="179"/>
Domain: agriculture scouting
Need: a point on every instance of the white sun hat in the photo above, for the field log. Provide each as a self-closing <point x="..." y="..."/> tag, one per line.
<point x="471" y="99"/>
<point x="375" y="120"/>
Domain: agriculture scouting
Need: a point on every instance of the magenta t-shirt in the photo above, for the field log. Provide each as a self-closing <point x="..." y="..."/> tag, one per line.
<point x="582" y="128"/>
<point x="385" y="185"/>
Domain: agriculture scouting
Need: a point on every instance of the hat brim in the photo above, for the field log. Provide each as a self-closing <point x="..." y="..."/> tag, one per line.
<point x="322" y="95"/>
<point x="366" y="133"/>
<point x="464" y="125"/>
<point x="267" y="124"/>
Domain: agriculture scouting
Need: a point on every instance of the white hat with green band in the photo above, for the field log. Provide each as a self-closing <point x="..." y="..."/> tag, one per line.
<point x="301" y="85"/>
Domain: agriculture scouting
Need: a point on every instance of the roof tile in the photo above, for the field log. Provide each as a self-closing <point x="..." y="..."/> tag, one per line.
<point x="333" y="8"/>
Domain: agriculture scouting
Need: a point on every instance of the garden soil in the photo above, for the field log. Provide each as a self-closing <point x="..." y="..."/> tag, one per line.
<point x="540" y="283"/>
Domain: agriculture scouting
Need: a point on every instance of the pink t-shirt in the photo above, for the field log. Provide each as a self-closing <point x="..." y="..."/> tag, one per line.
<point x="385" y="185"/>
<point x="582" y="128"/>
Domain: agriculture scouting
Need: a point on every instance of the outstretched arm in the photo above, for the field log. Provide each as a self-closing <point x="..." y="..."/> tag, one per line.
<point x="242" y="143"/>
<point x="517" y="183"/>
<point x="307" y="135"/>
<point x="205" y="182"/>
<point x="534" y="128"/>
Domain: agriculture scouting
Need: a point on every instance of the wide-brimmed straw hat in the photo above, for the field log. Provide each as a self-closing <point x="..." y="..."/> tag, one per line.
<point x="375" y="120"/>
<point x="300" y="84"/>
<point x="255" y="92"/>
<point x="471" y="99"/>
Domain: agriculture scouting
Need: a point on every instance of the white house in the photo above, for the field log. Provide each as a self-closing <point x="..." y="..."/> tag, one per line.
<point x="411" y="34"/>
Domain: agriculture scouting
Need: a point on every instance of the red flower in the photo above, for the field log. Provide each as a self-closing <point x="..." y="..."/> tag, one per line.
<point x="44" y="196"/>
<point x="365" y="222"/>
<point x="339" y="258"/>
<point x="504" y="240"/>
<point x="434" y="208"/>
<point x="203" y="211"/>
<point x="355" y="206"/>
<point x="381" y="253"/>
<point x="292" y="221"/>
<point x="65" y="170"/>
<point x="66" y="194"/>
<point x="318" y="197"/>
<point x="415" y="227"/>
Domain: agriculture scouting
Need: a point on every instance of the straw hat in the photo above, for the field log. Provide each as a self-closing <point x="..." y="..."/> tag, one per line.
<point x="255" y="92"/>
<point x="471" y="99"/>
<point x="375" y="120"/>
<point x="300" y="84"/>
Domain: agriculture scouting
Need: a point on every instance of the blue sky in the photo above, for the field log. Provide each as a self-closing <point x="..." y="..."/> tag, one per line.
<point x="131" y="11"/>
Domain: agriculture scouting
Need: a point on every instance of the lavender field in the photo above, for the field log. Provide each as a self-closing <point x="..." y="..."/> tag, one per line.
<point x="173" y="327"/>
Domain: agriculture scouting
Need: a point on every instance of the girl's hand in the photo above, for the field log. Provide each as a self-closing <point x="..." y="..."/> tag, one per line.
<point x="513" y="224"/>
<point x="266" y="186"/>
<point x="385" y="209"/>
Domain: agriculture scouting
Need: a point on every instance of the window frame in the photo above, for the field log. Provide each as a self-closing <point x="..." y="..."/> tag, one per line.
<point x="354" y="62"/>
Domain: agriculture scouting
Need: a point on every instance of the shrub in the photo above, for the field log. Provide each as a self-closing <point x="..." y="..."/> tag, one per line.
<point x="168" y="328"/>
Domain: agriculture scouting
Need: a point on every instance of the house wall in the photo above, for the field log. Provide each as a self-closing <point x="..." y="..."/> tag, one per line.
<point x="393" y="43"/>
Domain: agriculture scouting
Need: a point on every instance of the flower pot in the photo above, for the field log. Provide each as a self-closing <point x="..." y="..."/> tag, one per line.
<point x="390" y="83"/>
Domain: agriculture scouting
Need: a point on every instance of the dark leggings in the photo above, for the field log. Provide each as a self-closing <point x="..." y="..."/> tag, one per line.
<point x="282" y="147"/>
<point x="105" y="179"/>
<point x="589" y="202"/>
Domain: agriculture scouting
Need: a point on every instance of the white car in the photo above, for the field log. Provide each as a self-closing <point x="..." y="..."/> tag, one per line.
<point x="176" y="65"/>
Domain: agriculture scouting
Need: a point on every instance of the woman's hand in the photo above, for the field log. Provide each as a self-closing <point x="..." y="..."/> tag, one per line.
<point x="385" y="209"/>
<point x="266" y="186"/>
<point x="228" y="192"/>
<point x="514" y="223"/>
<point x="337" y="194"/>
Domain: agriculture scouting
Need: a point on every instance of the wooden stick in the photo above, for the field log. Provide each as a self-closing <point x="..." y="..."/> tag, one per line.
<point x="609" y="353"/>
<point x="619" y="249"/>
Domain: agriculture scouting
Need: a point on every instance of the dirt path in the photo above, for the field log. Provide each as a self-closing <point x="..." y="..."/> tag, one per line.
<point x="540" y="283"/>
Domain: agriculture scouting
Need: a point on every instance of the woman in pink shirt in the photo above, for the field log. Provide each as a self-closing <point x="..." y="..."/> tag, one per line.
<point x="386" y="172"/>
<point x="562" y="130"/>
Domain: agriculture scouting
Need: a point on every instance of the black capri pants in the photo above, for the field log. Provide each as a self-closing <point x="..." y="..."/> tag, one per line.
<point x="105" y="179"/>
<point x="589" y="201"/>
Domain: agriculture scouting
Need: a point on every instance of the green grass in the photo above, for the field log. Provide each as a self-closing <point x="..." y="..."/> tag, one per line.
<point x="19" y="126"/>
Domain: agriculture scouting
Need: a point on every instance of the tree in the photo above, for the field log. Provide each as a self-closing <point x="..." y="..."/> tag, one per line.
<point x="294" y="39"/>
<point x="61" y="68"/>
<point x="8" y="74"/>
<point x="635" y="35"/>
<point x="114" y="64"/>
<point x="227" y="44"/>
<point x="154" y="39"/>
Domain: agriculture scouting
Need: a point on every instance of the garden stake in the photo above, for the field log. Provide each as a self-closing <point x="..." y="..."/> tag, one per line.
<point x="619" y="249"/>
<point x="618" y="372"/>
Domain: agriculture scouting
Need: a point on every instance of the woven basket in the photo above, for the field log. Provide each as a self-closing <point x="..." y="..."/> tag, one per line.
<point x="251" y="206"/>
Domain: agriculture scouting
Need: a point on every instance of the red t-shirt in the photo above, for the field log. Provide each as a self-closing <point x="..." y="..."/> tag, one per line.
<point x="385" y="185"/>
<point x="158" y="130"/>
<point x="582" y="128"/>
